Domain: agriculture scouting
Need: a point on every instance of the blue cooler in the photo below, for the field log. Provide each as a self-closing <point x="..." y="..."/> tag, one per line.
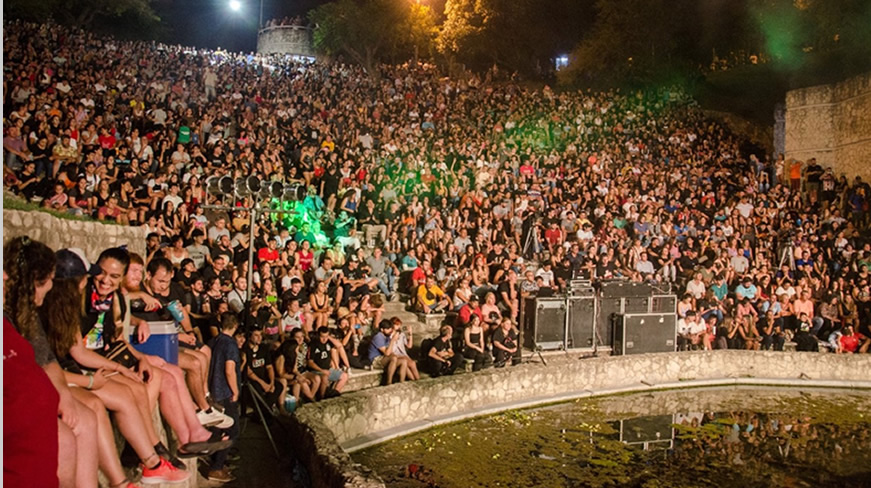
<point x="163" y="341"/>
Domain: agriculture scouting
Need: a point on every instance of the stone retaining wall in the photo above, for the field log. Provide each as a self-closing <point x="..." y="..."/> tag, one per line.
<point x="285" y="39"/>
<point x="91" y="236"/>
<point x="370" y="416"/>
<point x="833" y="124"/>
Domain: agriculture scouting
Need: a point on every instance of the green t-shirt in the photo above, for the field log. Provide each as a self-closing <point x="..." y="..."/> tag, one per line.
<point x="184" y="134"/>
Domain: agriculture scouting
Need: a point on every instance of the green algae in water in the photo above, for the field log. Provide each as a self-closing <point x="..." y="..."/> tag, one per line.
<point x="724" y="437"/>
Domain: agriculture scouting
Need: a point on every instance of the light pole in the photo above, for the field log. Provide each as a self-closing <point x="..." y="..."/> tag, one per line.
<point x="258" y="191"/>
<point x="236" y="6"/>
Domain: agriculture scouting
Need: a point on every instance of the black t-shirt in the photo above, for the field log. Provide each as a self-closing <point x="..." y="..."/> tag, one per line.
<point x="813" y="173"/>
<point x="224" y="275"/>
<point x="290" y="296"/>
<point x="195" y="302"/>
<point x="508" y="339"/>
<point x="258" y="360"/>
<point x="288" y="350"/>
<point x="353" y="274"/>
<point x="440" y="346"/>
<point x="504" y="287"/>
<point x="321" y="353"/>
<point x="218" y="250"/>
<point x="162" y="314"/>
<point x="185" y="281"/>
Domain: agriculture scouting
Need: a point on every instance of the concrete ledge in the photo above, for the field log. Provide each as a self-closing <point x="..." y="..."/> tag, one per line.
<point x="360" y="419"/>
<point x="376" y="438"/>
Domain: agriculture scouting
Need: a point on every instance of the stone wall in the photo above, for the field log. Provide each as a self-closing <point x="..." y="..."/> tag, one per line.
<point x="91" y="236"/>
<point x="285" y="39"/>
<point x="367" y="417"/>
<point x="833" y="124"/>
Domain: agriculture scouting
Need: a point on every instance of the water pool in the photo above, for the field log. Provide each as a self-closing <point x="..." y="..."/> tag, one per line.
<point x="724" y="437"/>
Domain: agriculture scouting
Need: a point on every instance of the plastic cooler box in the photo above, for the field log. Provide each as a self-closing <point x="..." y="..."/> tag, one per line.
<point x="163" y="341"/>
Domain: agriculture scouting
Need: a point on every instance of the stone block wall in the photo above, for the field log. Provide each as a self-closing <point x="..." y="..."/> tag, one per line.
<point x="833" y="124"/>
<point x="91" y="236"/>
<point x="324" y="427"/>
<point x="285" y="39"/>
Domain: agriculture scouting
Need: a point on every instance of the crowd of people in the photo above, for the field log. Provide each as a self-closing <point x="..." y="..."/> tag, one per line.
<point x="458" y="195"/>
<point x="298" y="21"/>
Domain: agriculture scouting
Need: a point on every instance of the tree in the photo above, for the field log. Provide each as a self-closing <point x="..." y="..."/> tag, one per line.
<point x="520" y="35"/>
<point x="81" y="13"/>
<point x="369" y="31"/>
<point x="631" y="38"/>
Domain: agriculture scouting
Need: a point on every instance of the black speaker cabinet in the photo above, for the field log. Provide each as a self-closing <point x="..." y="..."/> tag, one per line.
<point x="644" y="332"/>
<point x="608" y="308"/>
<point x="622" y="289"/>
<point x="545" y="323"/>
<point x="663" y="304"/>
<point x="581" y="322"/>
<point x="636" y="305"/>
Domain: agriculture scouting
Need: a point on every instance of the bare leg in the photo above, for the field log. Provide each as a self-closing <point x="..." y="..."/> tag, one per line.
<point x="121" y="401"/>
<point x="324" y="384"/>
<point x="403" y="370"/>
<point x="391" y="369"/>
<point x="207" y="353"/>
<point x="188" y="413"/>
<point x="107" y="456"/>
<point x="190" y="362"/>
<point x="341" y="383"/>
<point x="142" y="399"/>
<point x="66" y="466"/>
<point x="413" y="373"/>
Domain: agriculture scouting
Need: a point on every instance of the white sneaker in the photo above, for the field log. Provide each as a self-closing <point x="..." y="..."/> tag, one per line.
<point x="215" y="418"/>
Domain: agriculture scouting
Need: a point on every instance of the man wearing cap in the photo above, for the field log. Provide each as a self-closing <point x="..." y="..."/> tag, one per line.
<point x="354" y="281"/>
<point x="464" y="315"/>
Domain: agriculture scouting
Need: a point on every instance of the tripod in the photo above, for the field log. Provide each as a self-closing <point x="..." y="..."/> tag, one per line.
<point x="787" y="254"/>
<point x="531" y="358"/>
<point x="532" y="243"/>
<point x="536" y="350"/>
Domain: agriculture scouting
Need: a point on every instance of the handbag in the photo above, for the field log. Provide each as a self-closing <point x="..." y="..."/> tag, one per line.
<point x="119" y="352"/>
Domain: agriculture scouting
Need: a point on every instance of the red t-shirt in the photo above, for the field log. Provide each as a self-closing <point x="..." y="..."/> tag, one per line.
<point x="553" y="236"/>
<point x="849" y="343"/>
<point x="418" y="275"/>
<point x="305" y="260"/>
<point x="267" y="255"/>
<point x="29" y="416"/>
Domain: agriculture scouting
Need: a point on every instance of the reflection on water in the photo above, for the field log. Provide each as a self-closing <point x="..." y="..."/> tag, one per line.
<point x="735" y="437"/>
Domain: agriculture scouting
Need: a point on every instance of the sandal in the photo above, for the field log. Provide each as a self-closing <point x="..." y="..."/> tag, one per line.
<point x="217" y="442"/>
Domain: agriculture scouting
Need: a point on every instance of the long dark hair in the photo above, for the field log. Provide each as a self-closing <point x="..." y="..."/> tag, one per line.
<point x="27" y="263"/>
<point x="63" y="318"/>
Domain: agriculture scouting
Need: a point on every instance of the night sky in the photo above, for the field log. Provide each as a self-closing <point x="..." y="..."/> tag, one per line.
<point x="211" y="23"/>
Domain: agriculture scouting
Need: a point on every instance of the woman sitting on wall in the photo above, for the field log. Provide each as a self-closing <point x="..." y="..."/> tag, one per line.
<point x="62" y="321"/>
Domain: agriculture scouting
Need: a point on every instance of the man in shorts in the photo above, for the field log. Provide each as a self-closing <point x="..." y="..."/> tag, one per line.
<point x="325" y="357"/>
<point x="381" y="352"/>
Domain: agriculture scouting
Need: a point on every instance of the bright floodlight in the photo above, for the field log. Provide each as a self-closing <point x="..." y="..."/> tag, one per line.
<point x="235" y="5"/>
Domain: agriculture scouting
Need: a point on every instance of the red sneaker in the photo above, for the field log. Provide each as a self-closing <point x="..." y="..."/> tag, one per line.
<point x="163" y="473"/>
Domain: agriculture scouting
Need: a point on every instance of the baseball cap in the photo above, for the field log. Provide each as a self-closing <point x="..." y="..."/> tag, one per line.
<point x="72" y="263"/>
